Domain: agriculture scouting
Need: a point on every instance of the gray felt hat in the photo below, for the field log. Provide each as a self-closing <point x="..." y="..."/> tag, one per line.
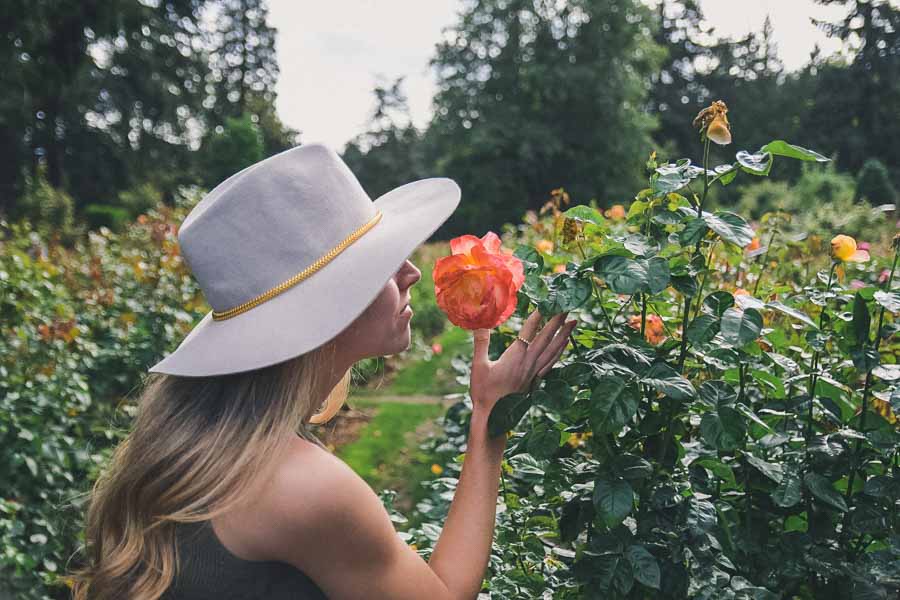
<point x="289" y="251"/>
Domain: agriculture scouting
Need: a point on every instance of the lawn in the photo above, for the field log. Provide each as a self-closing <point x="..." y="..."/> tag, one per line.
<point x="386" y="452"/>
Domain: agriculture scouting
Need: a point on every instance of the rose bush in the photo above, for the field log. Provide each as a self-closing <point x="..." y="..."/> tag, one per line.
<point x="751" y="454"/>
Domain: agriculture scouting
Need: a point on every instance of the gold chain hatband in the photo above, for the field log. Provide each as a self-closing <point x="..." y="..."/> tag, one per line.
<point x="281" y="287"/>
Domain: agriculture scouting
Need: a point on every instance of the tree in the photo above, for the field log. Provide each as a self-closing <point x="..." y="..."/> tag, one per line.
<point x="389" y="152"/>
<point x="100" y="92"/>
<point x="230" y="148"/>
<point x="242" y="58"/>
<point x="860" y="100"/>
<point x="677" y="88"/>
<point x="533" y="96"/>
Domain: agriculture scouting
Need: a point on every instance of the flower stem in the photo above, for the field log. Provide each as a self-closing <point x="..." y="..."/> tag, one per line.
<point x="854" y="458"/>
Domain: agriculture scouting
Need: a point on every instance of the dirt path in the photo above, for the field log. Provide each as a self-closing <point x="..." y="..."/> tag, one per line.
<point x="420" y="399"/>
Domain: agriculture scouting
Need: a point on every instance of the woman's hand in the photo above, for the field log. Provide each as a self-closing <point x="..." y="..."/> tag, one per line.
<point x="519" y="364"/>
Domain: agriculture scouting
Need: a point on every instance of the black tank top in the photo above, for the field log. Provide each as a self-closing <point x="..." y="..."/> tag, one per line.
<point x="207" y="570"/>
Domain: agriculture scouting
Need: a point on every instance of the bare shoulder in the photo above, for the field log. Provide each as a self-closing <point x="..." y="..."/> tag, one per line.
<point x="326" y="521"/>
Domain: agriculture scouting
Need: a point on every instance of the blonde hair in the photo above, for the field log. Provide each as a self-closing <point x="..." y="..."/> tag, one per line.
<point x="197" y="446"/>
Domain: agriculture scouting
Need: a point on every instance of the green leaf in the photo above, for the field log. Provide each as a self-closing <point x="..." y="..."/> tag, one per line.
<point x="613" y="573"/>
<point x="631" y="467"/>
<point x="719" y="469"/>
<point x="622" y="275"/>
<point x="694" y="230"/>
<point x="730" y="227"/>
<point x="613" y="499"/>
<point x="716" y="393"/>
<point x="667" y="380"/>
<point x="703" y="329"/>
<point x="531" y="258"/>
<point x="585" y="213"/>
<point x="701" y="516"/>
<point x="822" y="489"/>
<point x="542" y="441"/>
<point x="788" y="492"/>
<point x="657" y="275"/>
<point x="723" y="428"/>
<point x="556" y="395"/>
<point x="718" y="302"/>
<point x="773" y="471"/>
<point x="782" y="148"/>
<point x="792" y="312"/>
<point x="741" y="326"/>
<point x="758" y="163"/>
<point x="613" y="402"/>
<point x="566" y="293"/>
<point x="889" y="300"/>
<point x="861" y="320"/>
<point x="685" y="284"/>
<point x="644" y="566"/>
<point x="507" y="413"/>
<point x="628" y="275"/>
<point x="771" y="382"/>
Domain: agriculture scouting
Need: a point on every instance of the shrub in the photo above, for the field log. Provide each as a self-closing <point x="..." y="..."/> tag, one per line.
<point x="874" y="183"/>
<point x="750" y="453"/>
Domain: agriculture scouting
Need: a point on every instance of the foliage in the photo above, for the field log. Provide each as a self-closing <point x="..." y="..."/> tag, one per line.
<point x="231" y="148"/>
<point x="874" y="183"/>
<point x="50" y="210"/>
<point x="751" y="454"/>
<point x="821" y="201"/>
<point x="531" y="94"/>
<point x="81" y="326"/>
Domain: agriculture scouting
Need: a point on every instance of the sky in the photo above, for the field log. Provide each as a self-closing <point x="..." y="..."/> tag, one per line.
<point x="332" y="54"/>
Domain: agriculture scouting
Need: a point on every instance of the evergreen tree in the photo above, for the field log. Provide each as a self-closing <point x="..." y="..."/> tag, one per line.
<point x="533" y="96"/>
<point x="389" y="152"/>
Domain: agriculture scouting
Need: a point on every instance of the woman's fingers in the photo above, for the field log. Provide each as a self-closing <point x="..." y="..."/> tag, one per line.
<point x="530" y="325"/>
<point x="549" y="357"/>
<point x="545" y="335"/>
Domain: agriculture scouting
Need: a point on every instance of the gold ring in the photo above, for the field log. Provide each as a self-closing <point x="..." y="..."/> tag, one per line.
<point x="521" y="339"/>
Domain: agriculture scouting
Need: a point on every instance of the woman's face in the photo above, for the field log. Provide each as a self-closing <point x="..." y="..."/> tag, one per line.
<point x="383" y="327"/>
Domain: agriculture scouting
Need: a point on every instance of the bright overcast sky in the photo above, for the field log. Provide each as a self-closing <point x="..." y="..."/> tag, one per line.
<point x="331" y="54"/>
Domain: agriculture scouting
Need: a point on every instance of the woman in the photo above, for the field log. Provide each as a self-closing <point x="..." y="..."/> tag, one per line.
<point x="220" y="490"/>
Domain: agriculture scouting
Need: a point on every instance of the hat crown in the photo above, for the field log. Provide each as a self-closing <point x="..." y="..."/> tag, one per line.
<point x="269" y="221"/>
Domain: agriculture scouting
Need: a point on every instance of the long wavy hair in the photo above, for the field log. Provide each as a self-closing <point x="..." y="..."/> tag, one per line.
<point x="196" y="447"/>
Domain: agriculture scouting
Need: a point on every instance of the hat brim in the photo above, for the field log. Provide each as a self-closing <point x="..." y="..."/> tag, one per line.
<point x="317" y="309"/>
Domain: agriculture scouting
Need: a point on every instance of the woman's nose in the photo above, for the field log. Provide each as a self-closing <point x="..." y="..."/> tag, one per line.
<point x="411" y="273"/>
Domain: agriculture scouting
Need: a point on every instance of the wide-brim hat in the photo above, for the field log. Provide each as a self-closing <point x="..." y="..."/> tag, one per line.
<point x="289" y="251"/>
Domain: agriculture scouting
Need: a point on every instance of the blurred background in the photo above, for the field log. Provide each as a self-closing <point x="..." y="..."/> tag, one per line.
<point x="111" y="107"/>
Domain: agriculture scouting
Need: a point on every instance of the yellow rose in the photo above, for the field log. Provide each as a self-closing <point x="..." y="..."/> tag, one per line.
<point x="718" y="131"/>
<point x="843" y="248"/>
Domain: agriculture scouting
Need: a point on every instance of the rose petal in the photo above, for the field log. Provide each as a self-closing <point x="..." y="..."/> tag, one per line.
<point x="463" y="244"/>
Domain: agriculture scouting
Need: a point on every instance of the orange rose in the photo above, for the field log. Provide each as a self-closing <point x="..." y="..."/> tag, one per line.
<point x="654" y="332"/>
<point x="616" y="212"/>
<point x="476" y="285"/>
<point x="753" y="245"/>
